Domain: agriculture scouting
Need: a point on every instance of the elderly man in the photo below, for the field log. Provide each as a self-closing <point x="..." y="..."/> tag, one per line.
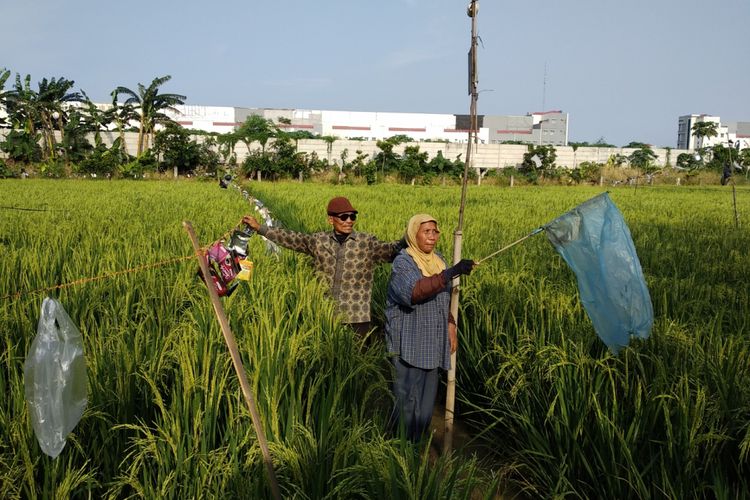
<point x="344" y="258"/>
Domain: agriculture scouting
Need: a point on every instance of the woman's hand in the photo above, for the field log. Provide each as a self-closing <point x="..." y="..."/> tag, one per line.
<point x="453" y="337"/>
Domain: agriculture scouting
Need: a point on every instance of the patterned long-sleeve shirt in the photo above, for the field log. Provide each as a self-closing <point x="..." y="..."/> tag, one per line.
<point x="417" y="333"/>
<point x="347" y="267"/>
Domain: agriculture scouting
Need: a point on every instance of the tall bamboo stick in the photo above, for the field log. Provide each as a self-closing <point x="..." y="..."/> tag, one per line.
<point x="450" y="399"/>
<point x="236" y="361"/>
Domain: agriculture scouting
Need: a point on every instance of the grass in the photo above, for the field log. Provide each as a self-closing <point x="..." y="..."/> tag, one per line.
<point x="559" y="415"/>
<point x="165" y="417"/>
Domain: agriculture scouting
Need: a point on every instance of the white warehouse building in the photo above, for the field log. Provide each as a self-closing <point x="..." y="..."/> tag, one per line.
<point x="550" y="126"/>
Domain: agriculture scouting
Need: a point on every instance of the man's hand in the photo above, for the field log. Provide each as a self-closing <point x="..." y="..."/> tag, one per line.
<point x="251" y="221"/>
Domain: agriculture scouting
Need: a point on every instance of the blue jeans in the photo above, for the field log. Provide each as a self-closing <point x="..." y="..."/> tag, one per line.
<point x="415" y="390"/>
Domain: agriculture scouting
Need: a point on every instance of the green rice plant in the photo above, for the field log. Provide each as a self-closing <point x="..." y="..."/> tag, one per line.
<point x="554" y="412"/>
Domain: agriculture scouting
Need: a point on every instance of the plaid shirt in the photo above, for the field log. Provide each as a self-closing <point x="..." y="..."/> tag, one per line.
<point x="347" y="267"/>
<point x="417" y="333"/>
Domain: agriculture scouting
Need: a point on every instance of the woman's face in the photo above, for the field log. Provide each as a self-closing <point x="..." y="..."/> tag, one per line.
<point x="427" y="236"/>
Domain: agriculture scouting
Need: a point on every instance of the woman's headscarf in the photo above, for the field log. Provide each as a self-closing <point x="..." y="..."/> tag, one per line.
<point x="429" y="263"/>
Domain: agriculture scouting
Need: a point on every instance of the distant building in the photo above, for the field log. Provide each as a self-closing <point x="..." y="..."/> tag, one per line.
<point x="551" y="126"/>
<point x="739" y="133"/>
<point x="736" y="132"/>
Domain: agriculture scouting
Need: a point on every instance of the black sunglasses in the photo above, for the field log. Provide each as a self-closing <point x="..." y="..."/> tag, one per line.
<point x="346" y="217"/>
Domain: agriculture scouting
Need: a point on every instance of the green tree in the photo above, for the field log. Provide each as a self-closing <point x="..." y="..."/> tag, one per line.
<point x="637" y="145"/>
<point x="256" y="129"/>
<point x="743" y="158"/>
<point x="387" y="159"/>
<point x="53" y="96"/>
<point x="688" y="161"/>
<point x="439" y="165"/>
<point x="359" y="165"/>
<point x="4" y="75"/>
<point x="602" y="143"/>
<point x="176" y="149"/>
<point x="42" y="110"/>
<point x="22" y="146"/>
<point x="330" y="139"/>
<point x="298" y="135"/>
<point x="103" y="160"/>
<point x="587" y="171"/>
<point x="123" y="114"/>
<point x="413" y="164"/>
<point x="616" y="160"/>
<point x="287" y="160"/>
<point x="226" y="145"/>
<point x="150" y="106"/>
<point x="94" y="119"/>
<point x="702" y="130"/>
<point x="723" y="156"/>
<point x="643" y="159"/>
<point x="539" y="161"/>
<point x="74" y="143"/>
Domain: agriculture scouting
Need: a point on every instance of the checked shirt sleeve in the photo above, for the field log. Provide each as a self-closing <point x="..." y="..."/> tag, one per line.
<point x="404" y="275"/>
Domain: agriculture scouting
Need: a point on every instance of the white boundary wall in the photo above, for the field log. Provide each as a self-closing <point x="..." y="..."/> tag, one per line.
<point x="484" y="156"/>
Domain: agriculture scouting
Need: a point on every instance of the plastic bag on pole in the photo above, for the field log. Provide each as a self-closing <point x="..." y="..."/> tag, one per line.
<point x="595" y="241"/>
<point x="55" y="378"/>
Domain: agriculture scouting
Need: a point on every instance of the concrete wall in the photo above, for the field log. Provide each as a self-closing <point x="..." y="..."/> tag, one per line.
<point x="485" y="156"/>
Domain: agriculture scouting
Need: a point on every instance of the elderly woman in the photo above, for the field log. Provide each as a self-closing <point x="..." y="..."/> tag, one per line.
<point x="420" y="331"/>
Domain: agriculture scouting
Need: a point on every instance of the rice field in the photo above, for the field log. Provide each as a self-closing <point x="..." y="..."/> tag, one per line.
<point x="555" y="414"/>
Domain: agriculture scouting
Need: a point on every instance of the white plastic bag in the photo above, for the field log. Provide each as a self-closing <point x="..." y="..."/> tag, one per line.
<point x="55" y="378"/>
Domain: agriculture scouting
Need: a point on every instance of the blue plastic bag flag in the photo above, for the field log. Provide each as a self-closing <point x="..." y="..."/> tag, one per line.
<point x="596" y="243"/>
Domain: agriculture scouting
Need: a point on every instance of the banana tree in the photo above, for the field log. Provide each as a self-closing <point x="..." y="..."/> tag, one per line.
<point x="4" y="75"/>
<point x="42" y="110"/>
<point x="150" y="105"/>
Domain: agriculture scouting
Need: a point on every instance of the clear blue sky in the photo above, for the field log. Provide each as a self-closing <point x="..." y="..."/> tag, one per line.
<point x="623" y="70"/>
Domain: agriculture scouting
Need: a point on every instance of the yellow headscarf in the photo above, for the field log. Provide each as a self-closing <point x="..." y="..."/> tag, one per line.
<point x="429" y="263"/>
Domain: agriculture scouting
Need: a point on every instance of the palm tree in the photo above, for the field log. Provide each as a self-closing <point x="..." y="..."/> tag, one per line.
<point x="150" y="106"/>
<point x="330" y="139"/>
<point x="704" y="129"/>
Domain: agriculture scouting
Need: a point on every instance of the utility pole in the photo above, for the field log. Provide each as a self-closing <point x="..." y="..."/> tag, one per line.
<point x="544" y="98"/>
<point x="450" y="399"/>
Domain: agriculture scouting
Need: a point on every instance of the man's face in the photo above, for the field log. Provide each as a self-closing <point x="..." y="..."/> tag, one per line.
<point x="343" y="223"/>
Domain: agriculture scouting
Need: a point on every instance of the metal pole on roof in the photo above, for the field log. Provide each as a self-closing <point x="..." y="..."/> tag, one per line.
<point x="450" y="399"/>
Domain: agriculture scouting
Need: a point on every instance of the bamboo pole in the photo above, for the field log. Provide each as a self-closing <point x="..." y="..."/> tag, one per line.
<point x="450" y="397"/>
<point x="236" y="360"/>
<point x="532" y="233"/>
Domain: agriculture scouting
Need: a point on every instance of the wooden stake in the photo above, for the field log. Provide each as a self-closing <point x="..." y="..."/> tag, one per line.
<point x="236" y="360"/>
